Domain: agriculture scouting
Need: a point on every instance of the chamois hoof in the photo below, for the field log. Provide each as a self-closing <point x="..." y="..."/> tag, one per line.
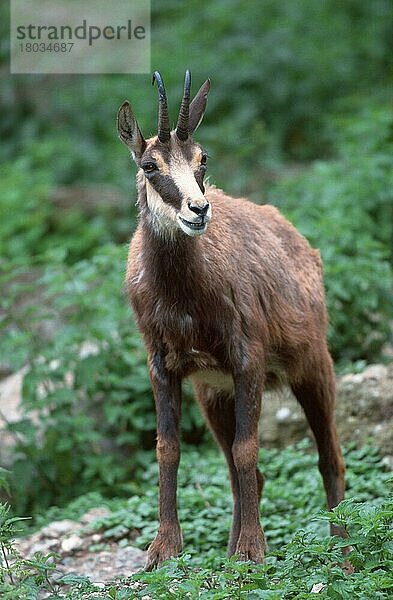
<point x="161" y="549"/>
<point x="346" y="566"/>
<point x="251" y="548"/>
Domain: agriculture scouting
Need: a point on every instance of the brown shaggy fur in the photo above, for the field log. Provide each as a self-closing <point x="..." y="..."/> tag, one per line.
<point x="237" y="309"/>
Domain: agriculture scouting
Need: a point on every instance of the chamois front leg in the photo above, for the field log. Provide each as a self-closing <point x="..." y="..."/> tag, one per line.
<point x="248" y="396"/>
<point x="167" y="395"/>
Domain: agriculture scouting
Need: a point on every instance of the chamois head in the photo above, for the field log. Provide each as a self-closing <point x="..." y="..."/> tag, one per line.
<point x="171" y="165"/>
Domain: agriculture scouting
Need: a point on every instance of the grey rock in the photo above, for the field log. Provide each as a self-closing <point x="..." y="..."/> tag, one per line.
<point x="58" y="529"/>
<point x="93" y="514"/>
<point x="364" y="410"/>
<point x="72" y="541"/>
<point x="72" y="544"/>
<point x="106" y="565"/>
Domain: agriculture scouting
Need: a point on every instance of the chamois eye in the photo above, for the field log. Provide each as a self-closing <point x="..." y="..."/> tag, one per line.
<point x="204" y="159"/>
<point x="149" y="167"/>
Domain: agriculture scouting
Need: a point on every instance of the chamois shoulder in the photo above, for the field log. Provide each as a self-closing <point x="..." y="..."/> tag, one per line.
<point x="270" y="241"/>
<point x="266" y="219"/>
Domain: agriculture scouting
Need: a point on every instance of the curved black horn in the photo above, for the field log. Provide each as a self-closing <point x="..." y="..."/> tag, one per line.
<point x="164" y="129"/>
<point x="182" y="127"/>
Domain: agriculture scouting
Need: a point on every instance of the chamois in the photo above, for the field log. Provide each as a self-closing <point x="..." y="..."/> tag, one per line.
<point x="228" y="294"/>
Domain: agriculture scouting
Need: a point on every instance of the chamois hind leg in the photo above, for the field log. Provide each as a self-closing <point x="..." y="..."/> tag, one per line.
<point x="219" y="410"/>
<point x="316" y="394"/>
<point x="248" y="385"/>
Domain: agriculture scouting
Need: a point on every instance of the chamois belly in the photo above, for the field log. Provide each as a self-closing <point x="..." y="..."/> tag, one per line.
<point x="218" y="379"/>
<point x="214" y="378"/>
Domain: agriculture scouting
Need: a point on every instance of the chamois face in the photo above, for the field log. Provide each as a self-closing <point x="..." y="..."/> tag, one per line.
<point x="171" y="165"/>
<point x="173" y="175"/>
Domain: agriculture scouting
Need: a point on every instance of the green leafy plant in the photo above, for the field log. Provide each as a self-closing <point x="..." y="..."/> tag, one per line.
<point x="33" y="224"/>
<point x="281" y="94"/>
<point x="345" y="208"/>
<point x="301" y="557"/>
<point x="87" y="403"/>
<point x="21" y="576"/>
<point x="299" y="562"/>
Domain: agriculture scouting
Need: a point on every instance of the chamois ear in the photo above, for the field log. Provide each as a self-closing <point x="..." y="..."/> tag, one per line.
<point x="129" y="131"/>
<point x="198" y="106"/>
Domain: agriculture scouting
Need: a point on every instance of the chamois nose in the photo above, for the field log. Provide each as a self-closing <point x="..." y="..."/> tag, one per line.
<point x="198" y="209"/>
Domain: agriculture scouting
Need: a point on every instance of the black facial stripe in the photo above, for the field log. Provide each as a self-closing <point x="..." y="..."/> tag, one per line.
<point x="199" y="175"/>
<point x="167" y="189"/>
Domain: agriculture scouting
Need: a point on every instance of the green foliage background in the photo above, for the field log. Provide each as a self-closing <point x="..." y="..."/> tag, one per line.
<point x="301" y="554"/>
<point x="300" y="115"/>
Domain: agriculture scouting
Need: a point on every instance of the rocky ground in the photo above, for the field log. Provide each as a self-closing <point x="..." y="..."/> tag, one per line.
<point x="364" y="411"/>
<point x="83" y="551"/>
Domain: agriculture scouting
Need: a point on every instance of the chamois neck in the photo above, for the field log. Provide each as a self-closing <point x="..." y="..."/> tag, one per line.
<point x="174" y="267"/>
<point x="179" y="250"/>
